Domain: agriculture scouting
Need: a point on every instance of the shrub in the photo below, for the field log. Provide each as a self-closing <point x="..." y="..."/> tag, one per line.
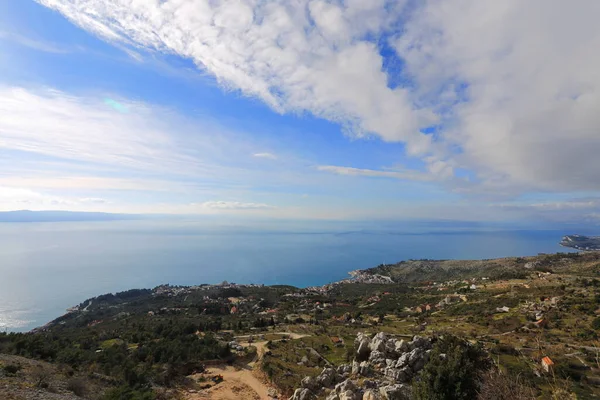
<point x="78" y="386"/>
<point x="127" y="393"/>
<point x="41" y="376"/>
<point x="12" y="369"/>
<point x="454" y="371"/>
<point x="499" y="386"/>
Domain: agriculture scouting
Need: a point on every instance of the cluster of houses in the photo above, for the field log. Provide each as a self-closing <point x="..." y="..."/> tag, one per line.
<point x="538" y="309"/>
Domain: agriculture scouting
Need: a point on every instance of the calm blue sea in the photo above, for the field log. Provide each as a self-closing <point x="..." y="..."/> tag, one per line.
<point x="47" y="267"/>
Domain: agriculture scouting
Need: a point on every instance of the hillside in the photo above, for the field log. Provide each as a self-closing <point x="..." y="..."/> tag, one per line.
<point x="513" y="267"/>
<point x="178" y="342"/>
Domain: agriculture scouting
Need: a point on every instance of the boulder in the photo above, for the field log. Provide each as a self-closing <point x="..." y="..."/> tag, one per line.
<point x="401" y="346"/>
<point x="420" y="342"/>
<point x="364" y="368"/>
<point x="310" y="383"/>
<point x="395" y="392"/>
<point x="370" y="384"/>
<point x="403" y="360"/>
<point x="378" y="342"/>
<point x="370" y="395"/>
<point x="303" y="394"/>
<point x="377" y="357"/>
<point x="390" y="346"/>
<point x="327" y="378"/>
<point x="345" y="386"/>
<point x="349" y="395"/>
<point x="392" y="373"/>
<point x="363" y="349"/>
<point x="415" y="355"/>
<point x="355" y="368"/>
<point x="332" y="396"/>
<point x="345" y="369"/>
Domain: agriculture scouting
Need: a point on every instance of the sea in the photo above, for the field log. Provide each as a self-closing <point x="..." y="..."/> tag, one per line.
<point x="47" y="267"/>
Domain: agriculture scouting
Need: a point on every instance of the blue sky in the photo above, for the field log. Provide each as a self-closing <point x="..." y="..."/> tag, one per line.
<point x="320" y="109"/>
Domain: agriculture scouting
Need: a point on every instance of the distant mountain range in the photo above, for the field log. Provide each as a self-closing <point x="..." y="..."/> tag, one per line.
<point x="62" y="216"/>
<point x="580" y="242"/>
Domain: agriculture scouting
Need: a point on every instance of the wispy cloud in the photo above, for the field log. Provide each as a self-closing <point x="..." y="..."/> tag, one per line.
<point x="231" y="205"/>
<point x="269" y="156"/>
<point x="574" y="204"/>
<point x="12" y="198"/>
<point x="62" y="150"/>
<point x="36" y="44"/>
<point x="404" y="175"/>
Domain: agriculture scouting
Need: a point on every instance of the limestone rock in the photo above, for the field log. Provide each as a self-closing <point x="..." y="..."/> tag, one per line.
<point x="345" y="386"/>
<point x="378" y="342"/>
<point x="369" y="395"/>
<point x="327" y="378"/>
<point x="401" y="346"/>
<point x="377" y="357"/>
<point x="310" y="383"/>
<point x="355" y="368"/>
<point x="395" y="392"/>
<point x="303" y="394"/>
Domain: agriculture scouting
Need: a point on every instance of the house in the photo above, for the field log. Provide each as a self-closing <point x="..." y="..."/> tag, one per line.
<point x="547" y="364"/>
<point x="419" y="309"/>
<point x="473" y="287"/>
<point x="234" y="310"/>
<point x="502" y="309"/>
<point x="337" y="341"/>
<point x="427" y="307"/>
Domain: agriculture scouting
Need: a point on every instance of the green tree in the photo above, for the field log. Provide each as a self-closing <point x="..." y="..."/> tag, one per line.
<point x="453" y="372"/>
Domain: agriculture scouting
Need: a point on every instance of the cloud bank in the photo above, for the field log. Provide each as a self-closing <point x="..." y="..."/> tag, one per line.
<point x="506" y="90"/>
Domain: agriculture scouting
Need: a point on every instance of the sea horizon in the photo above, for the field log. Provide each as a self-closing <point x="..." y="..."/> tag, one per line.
<point x="49" y="267"/>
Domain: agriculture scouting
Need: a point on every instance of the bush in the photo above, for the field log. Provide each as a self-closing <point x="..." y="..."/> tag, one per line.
<point x="499" y="386"/>
<point x="12" y="369"/>
<point x="596" y="323"/>
<point x="127" y="393"/>
<point x="78" y="386"/>
<point x="454" y="371"/>
<point x="41" y="376"/>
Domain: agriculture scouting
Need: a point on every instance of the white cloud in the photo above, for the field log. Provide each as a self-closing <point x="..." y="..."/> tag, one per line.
<point x="12" y="198"/>
<point x="527" y="84"/>
<point x="93" y="136"/>
<point x="270" y="156"/>
<point x="231" y="205"/>
<point x="60" y="151"/>
<point x="301" y="56"/>
<point x="405" y="175"/>
<point x="575" y="204"/>
<point x="514" y="84"/>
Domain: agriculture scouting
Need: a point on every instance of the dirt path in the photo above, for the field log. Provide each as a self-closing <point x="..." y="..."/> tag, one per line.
<point x="239" y="382"/>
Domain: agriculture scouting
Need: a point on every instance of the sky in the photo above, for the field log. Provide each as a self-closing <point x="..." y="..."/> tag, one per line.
<point x="475" y="110"/>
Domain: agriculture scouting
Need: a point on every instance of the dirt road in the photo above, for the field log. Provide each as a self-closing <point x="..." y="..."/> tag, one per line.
<point x="239" y="382"/>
